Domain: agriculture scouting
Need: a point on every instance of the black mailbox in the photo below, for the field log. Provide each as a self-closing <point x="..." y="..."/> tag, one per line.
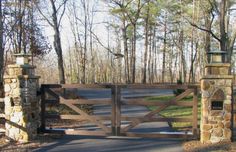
<point x="217" y="105"/>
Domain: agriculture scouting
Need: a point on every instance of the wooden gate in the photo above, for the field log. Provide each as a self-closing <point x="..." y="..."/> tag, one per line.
<point x="57" y="93"/>
<point x="161" y="105"/>
<point x="116" y="103"/>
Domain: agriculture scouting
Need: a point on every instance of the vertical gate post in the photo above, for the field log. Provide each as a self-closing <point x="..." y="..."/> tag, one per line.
<point x="42" y="114"/>
<point x="113" y="110"/>
<point x="195" y="113"/>
<point x="116" y="110"/>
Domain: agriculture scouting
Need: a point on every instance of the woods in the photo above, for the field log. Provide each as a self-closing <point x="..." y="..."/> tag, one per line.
<point x="117" y="41"/>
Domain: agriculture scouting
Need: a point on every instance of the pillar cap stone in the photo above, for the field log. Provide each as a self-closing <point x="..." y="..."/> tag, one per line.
<point x="28" y="66"/>
<point x="218" y="65"/>
<point x="218" y="77"/>
<point x="21" y="77"/>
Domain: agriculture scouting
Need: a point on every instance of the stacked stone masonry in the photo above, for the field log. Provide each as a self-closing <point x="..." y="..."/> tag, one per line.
<point x="21" y="103"/>
<point x="216" y="124"/>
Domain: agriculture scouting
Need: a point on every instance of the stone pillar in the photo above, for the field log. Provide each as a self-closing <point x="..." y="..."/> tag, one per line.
<point x="216" y="87"/>
<point x="21" y="101"/>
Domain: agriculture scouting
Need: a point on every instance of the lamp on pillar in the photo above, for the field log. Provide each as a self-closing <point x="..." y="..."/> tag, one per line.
<point x="22" y="58"/>
<point x="217" y="56"/>
<point x="218" y="64"/>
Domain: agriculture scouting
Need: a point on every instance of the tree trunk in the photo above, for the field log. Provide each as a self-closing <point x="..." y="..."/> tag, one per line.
<point x="150" y="59"/>
<point x="207" y="42"/>
<point x="164" y="52"/>
<point x="170" y="65"/>
<point x="124" y="35"/>
<point x="92" y="55"/>
<point x="145" y="51"/>
<point x="1" y="48"/>
<point x="223" y="35"/>
<point x="183" y="63"/>
<point x="134" y="53"/>
<point x="85" y="44"/>
<point x="57" y="44"/>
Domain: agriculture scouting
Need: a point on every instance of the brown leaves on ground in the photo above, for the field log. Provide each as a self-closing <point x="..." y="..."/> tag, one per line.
<point x="197" y="146"/>
<point x="10" y="146"/>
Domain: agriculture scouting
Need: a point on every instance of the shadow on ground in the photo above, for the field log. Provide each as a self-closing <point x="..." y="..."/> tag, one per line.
<point x="108" y="144"/>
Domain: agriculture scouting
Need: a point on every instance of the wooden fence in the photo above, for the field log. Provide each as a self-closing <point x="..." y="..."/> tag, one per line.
<point x="116" y="117"/>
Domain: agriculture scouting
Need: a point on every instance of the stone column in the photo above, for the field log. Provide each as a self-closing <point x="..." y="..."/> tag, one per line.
<point x="21" y="101"/>
<point x="216" y="87"/>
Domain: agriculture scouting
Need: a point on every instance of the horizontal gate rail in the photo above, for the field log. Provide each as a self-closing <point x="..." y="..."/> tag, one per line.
<point x="77" y="132"/>
<point x="78" y="86"/>
<point x="127" y="118"/>
<point x="160" y="86"/>
<point x="160" y="135"/>
<point x="78" y="101"/>
<point x="75" y="117"/>
<point x="143" y="102"/>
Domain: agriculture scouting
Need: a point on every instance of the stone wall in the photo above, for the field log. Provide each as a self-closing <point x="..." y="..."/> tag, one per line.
<point x="216" y="124"/>
<point x="21" y="102"/>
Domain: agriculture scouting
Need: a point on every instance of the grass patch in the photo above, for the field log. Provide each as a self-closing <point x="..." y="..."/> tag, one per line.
<point x="176" y="111"/>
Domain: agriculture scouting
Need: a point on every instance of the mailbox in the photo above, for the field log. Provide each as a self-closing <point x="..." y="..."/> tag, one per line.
<point x="217" y="105"/>
<point x="217" y="100"/>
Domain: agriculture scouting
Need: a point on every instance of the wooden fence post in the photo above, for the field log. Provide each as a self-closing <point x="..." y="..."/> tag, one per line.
<point x="118" y="110"/>
<point x="113" y="110"/>
<point x="195" y="113"/>
<point x="42" y="126"/>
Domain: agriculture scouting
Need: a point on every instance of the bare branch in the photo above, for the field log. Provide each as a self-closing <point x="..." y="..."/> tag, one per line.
<point x="205" y="30"/>
<point x="128" y="3"/>
<point x="63" y="11"/>
<point x="41" y="13"/>
<point x="118" y="55"/>
<point x="62" y="4"/>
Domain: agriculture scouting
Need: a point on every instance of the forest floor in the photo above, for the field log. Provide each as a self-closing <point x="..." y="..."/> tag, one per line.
<point x="10" y="146"/>
<point x="197" y="146"/>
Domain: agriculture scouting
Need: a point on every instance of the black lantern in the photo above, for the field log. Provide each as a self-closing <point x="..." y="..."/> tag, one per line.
<point x="217" y="56"/>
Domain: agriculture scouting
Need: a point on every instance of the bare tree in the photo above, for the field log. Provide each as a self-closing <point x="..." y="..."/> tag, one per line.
<point x="146" y="28"/>
<point x="164" y="50"/>
<point x="1" y="47"/>
<point x="133" y="18"/>
<point x="57" y="13"/>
